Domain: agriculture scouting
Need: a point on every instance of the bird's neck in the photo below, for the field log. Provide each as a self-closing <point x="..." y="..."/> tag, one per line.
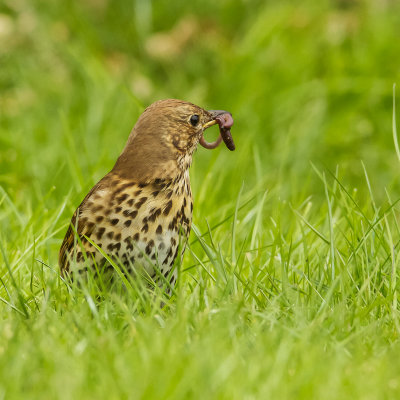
<point x="142" y="163"/>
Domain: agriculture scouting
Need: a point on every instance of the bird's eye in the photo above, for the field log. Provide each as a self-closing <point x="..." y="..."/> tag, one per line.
<point x="194" y="119"/>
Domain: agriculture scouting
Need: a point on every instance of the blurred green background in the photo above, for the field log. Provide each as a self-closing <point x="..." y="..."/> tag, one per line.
<point x="304" y="304"/>
<point x="305" y="81"/>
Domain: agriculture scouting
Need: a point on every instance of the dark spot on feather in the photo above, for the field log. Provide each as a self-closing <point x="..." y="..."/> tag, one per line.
<point x="154" y="214"/>
<point x="100" y="233"/>
<point x="168" y="256"/>
<point x="123" y="197"/>
<point x="173" y="224"/>
<point x="117" y="236"/>
<point x="168" y="208"/>
<point x="140" y="202"/>
<point x="97" y="208"/>
<point x="117" y="209"/>
<point x="130" y="202"/>
<point x="133" y="214"/>
<point x="115" y="221"/>
<point x="136" y="237"/>
<point x="149" y="247"/>
<point x="159" y="229"/>
<point x="176" y="142"/>
<point x="129" y="245"/>
<point x="122" y="187"/>
<point x="127" y="223"/>
<point x="110" y="234"/>
<point x="99" y="218"/>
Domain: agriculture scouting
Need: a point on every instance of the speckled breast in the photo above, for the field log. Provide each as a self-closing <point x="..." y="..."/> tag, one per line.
<point x="140" y="225"/>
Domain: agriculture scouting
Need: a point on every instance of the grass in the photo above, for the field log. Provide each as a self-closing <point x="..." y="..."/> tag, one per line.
<point x="289" y="288"/>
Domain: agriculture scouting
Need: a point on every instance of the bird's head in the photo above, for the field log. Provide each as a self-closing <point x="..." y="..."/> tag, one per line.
<point x="166" y="136"/>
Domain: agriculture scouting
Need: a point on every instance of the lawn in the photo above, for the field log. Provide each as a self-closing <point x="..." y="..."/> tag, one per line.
<point x="289" y="286"/>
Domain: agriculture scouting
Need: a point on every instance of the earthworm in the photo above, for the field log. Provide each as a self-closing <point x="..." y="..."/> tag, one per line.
<point x="225" y="122"/>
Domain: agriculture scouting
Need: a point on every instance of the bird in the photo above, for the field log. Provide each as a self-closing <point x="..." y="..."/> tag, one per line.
<point x="140" y="213"/>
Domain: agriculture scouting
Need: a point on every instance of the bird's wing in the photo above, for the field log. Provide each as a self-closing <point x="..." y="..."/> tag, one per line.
<point x="77" y="226"/>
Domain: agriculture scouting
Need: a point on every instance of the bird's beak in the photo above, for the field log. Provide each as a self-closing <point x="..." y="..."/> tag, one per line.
<point x="225" y="121"/>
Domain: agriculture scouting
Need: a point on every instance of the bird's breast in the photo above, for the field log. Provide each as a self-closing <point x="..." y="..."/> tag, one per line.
<point x="142" y="224"/>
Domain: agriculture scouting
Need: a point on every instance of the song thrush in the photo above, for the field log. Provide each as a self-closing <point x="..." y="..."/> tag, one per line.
<point x="142" y="209"/>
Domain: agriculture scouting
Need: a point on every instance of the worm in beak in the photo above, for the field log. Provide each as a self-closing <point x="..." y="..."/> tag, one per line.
<point x="225" y="121"/>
